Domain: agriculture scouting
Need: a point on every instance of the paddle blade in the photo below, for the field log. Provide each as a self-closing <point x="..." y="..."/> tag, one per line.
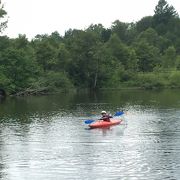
<point x="89" y="121"/>
<point x="119" y="113"/>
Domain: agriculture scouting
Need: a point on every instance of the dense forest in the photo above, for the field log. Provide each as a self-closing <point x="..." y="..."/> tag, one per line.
<point x="144" y="54"/>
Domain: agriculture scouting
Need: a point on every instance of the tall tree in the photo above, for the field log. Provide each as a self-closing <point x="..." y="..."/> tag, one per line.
<point x="164" y="14"/>
<point x="63" y="58"/>
<point x="151" y="36"/>
<point x="163" y="11"/>
<point x="148" y="56"/>
<point x="169" y="58"/>
<point x="121" y="29"/>
<point x="104" y="34"/>
<point x="82" y="46"/>
<point x="3" y="13"/>
<point x="5" y="42"/>
<point x="144" y="23"/>
<point x="18" y="67"/>
<point x="122" y="53"/>
<point x="46" y="52"/>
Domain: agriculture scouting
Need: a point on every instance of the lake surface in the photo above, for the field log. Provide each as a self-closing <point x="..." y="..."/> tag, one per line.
<point x="45" y="138"/>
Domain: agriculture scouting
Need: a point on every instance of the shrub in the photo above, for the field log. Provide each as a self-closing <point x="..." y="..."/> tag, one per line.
<point x="174" y="79"/>
<point x="150" y="81"/>
<point x="56" y="81"/>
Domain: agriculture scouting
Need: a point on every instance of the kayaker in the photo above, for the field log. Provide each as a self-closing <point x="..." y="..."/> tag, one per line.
<point x="105" y="116"/>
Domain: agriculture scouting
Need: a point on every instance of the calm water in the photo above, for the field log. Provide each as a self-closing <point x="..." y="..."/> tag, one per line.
<point x="45" y="138"/>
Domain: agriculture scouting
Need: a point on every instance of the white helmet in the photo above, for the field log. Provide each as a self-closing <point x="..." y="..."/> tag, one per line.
<point x="103" y="112"/>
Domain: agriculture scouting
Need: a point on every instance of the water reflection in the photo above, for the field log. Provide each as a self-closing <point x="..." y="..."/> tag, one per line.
<point x="46" y="138"/>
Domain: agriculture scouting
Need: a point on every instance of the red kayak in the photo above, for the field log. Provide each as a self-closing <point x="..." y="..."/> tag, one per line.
<point x="102" y="124"/>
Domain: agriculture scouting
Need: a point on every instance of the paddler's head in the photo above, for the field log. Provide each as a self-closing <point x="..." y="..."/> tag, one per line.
<point x="103" y="113"/>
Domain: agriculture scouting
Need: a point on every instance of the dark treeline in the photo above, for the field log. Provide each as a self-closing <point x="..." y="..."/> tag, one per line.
<point x="144" y="54"/>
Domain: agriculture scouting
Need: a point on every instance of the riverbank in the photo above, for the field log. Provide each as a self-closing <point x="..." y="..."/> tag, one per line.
<point x="153" y="80"/>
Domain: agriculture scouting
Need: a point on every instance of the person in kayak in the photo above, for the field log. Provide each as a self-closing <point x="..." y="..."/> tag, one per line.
<point x="105" y="116"/>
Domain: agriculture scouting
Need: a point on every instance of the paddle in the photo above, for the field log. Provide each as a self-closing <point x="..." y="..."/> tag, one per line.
<point x="89" y="121"/>
<point x="119" y="113"/>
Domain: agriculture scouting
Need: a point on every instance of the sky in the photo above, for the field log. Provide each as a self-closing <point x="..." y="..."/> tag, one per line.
<point x="32" y="17"/>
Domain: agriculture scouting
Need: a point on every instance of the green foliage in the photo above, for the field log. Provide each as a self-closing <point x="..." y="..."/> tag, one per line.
<point x="175" y="79"/>
<point x="169" y="58"/>
<point x="4" y="81"/>
<point x="18" y="68"/>
<point x="55" y="81"/>
<point x="150" y="81"/>
<point x="46" y="55"/>
<point x="144" y="23"/>
<point x="144" y="54"/>
<point x="121" y="29"/>
<point x="100" y="31"/>
<point x="150" y="36"/>
<point x="3" y="22"/>
<point x="125" y="31"/>
<point x="163" y="19"/>
<point x="163" y="12"/>
<point x="122" y="53"/>
<point x="4" y="43"/>
<point x="178" y="62"/>
<point x="148" y="56"/>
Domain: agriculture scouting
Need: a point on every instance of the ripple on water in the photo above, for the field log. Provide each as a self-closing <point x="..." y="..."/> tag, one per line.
<point x="57" y="145"/>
